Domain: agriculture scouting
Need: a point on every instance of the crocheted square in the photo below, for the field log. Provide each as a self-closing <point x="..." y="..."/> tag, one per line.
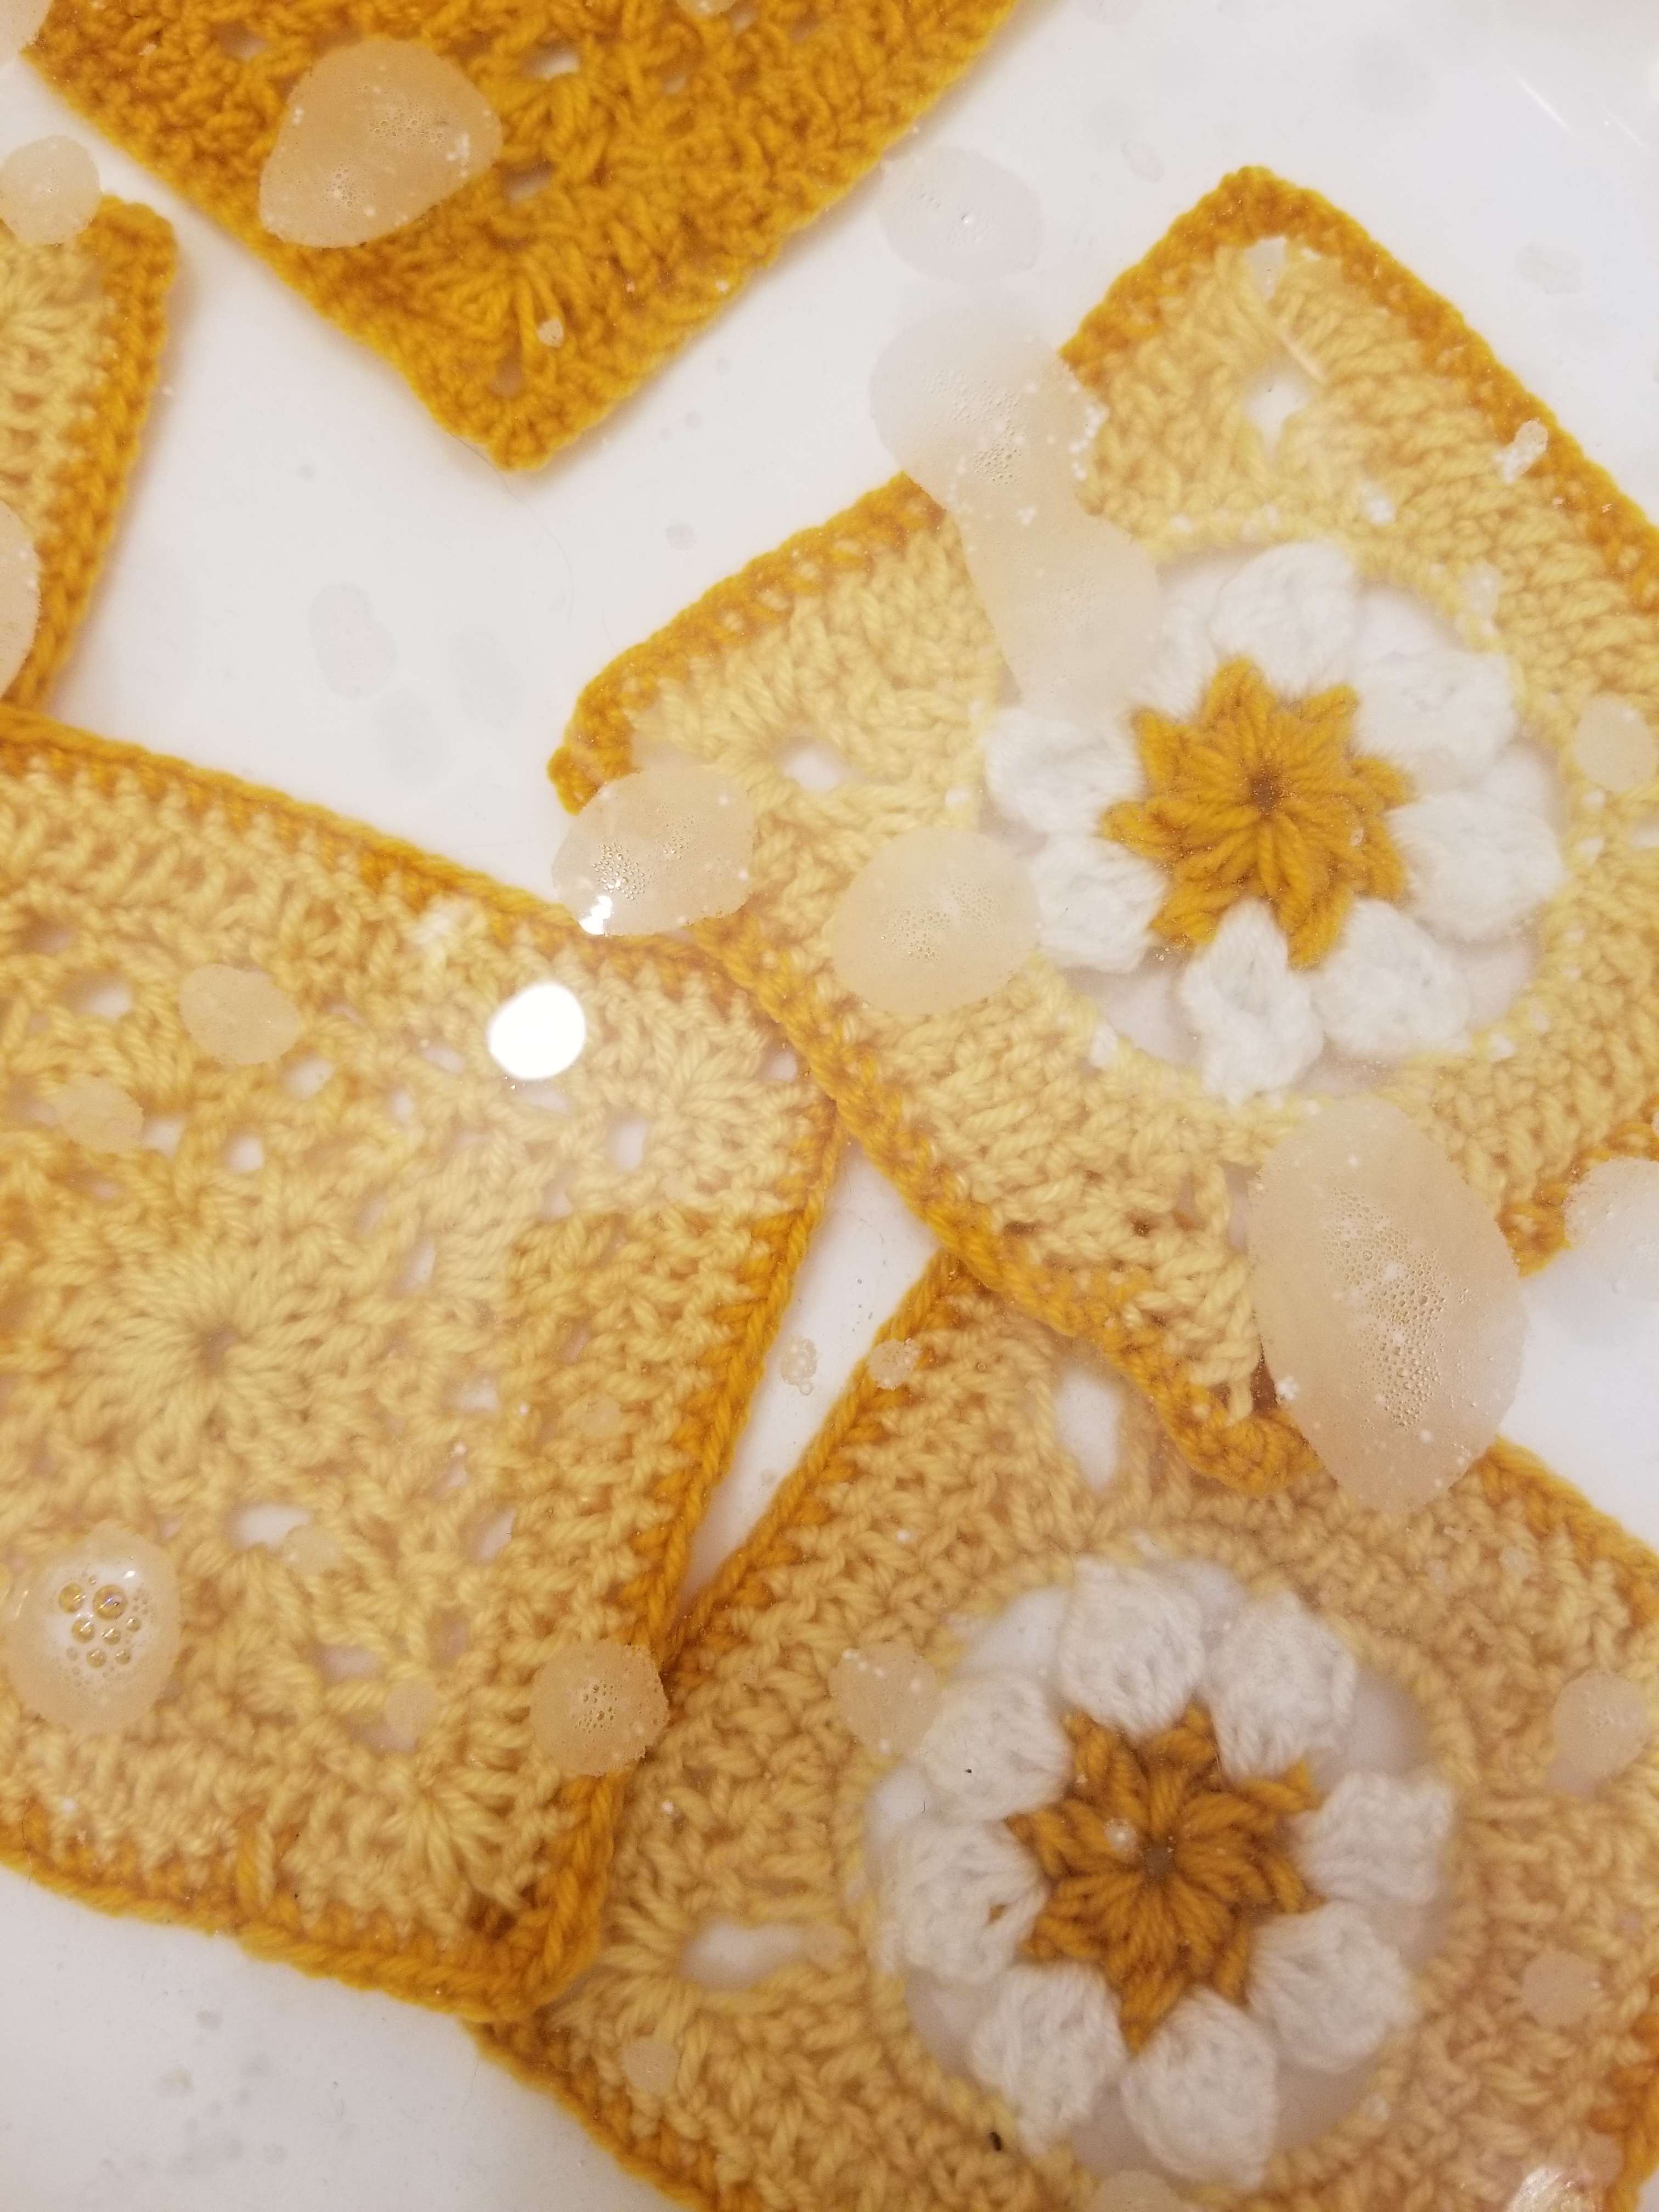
<point x="1222" y="1841"/>
<point x="654" y="157"/>
<point x="1385" y="614"/>
<point x="81" y="331"/>
<point x="416" y="1361"/>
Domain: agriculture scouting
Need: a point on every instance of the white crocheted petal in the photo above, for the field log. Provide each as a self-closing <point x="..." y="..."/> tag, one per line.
<point x="1329" y="1986"/>
<point x="1131" y="1647"/>
<point x="1387" y="989"/>
<point x="1203" y="2094"/>
<point x="959" y="1898"/>
<point x="1281" y="1685"/>
<point x="1057" y="776"/>
<point x="1048" y="2046"/>
<point x="1182" y="666"/>
<point x="994" y="1747"/>
<point x="1443" y="715"/>
<point x="1294" y="613"/>
<point x="1254" y="1016"/>
<point x="1377" y="1837"/>
<point x="1096" y="901"/>
<point x="1477" y="867"/>
<point x="1218" y="1595"/>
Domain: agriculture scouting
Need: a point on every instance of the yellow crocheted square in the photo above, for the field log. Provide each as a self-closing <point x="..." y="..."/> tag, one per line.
<point x="81" y="333"/>
<point x="417" y="1371"/>
<point x="653" y="158"/>
<point x="1080" y="1166"/>
<point x="1382" y="1694"/>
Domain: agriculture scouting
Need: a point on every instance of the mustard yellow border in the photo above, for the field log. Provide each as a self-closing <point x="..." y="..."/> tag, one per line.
<point x="137" y="257"/>
<point x="794" y="125"/>
<point x="1264" y="1451"/>
<point x="507" y="1969"/>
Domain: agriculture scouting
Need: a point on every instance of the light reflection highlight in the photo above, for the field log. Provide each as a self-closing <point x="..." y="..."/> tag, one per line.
<point x="540" y="1031"/>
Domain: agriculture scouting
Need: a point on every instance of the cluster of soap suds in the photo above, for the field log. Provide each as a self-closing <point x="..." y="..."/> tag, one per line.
<point x="987" y="419"/>
<point x="373" y="134"/>
<point x="20" y="25"/>
<point x="89" y="1633"/>
<point x="938" y="919"/>
<point x="598" y="1708"/>
<point x="237" y="1015"/>
<point x="893" y="1363"/>
<point x="798" y="1363"/>
<point x="1385" y="1289"/>
<point x="49" y="192"/>
<point x="658" y="850"/>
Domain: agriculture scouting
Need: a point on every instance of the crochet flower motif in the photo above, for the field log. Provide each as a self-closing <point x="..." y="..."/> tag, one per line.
<point x="1324" y="832"/>
<point x="1125" y="1861"/>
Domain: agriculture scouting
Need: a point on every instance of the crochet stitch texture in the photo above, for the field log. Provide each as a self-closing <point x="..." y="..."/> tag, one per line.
<point x="653" y="160"/>
<point x="813" y="2086"/>
<point x="1089" y="1178"/>
<point x="81" y="331"/>
<point x="489" y="1341"/>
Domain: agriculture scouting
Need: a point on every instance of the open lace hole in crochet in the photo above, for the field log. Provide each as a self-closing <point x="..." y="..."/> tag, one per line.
<point x="730" y="1955"/>
<point x="626" y="1141"/>
<point x="1284" y="388"/>
<point x="265" y="1525"/>
<point x="341" y="1378"/>
<point x="813" y="765"/>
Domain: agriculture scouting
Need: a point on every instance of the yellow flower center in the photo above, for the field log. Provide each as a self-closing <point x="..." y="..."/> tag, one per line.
<point x="1259" y="797"/>
<point x="1159" y="1868"/>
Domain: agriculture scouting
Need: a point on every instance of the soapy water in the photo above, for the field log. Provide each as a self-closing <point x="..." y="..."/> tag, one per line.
<point x="374" y="135"/>
<point x="656" y="850"/>
<point x="957" y="214"/>
<point x="1612" y="1217"/>
<point x="48" y="191"/>
<point x="1389" y="1302"/>
<point x="90" y="1630"/>
<point x="980" y="412"/>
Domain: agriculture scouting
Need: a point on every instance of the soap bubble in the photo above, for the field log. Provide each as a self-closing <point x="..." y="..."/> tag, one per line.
<point x="373" y="136"/>
<point x="937" y="919"/>
<point x="89" y="1633"/>
<point x="1384" y="1288"/>
<point x="48" y="191"/>
<point x="957" y="214"/>
<point x="656" y="850"/>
